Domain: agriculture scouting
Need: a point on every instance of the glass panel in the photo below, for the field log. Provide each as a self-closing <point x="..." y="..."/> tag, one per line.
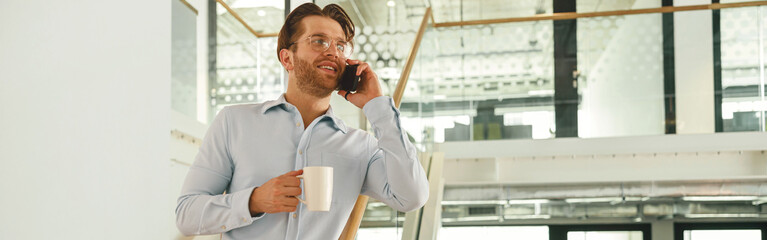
<point x="454" y="11"/>
<point x="247" y="68"/>
<point x="620" y="82"/>
<point x="262" y="16"/>
<point x="754" y="234"/>
<point x="417" y="106"/>
<point x="583" y="6"/>
<point x="380" y="222"/>
<point x="462" y="233"/>
<point x="486" y="82"/>
<point x="183" y="60"/>
<point x="605" y="235"/>
<point x="742" y="69"/>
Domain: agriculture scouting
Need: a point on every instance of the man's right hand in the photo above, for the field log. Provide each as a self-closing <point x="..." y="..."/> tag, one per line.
<point x="277" y="194"/>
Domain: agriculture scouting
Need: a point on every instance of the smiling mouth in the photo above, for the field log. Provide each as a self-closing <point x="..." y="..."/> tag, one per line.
<point x="329" y="68"/>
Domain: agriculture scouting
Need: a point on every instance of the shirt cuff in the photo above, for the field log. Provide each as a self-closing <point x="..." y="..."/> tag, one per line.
<point x="240" y="201"/>
<point x="380" y="108"/>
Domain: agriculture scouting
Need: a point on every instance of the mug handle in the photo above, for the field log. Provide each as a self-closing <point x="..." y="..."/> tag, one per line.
<point x="299" y="199"/>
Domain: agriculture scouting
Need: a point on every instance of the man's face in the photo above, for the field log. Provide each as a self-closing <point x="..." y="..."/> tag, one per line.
<point x="318" y="73"/>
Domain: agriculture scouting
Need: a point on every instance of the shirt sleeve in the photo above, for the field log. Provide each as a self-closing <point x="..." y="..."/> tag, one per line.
<point x="203" y="207"/>
<point x="394" y="175"/>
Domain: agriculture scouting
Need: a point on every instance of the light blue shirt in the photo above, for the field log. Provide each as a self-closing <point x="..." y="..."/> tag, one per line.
<point x="246" y="145"/>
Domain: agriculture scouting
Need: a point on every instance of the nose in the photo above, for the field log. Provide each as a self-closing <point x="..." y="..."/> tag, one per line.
<point x="332" y="52"/>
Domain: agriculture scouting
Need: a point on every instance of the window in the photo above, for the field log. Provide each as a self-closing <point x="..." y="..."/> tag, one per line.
<point x="494" y="232"/>
<point x="753" y="234"/>
<point x="605" y="235"/>
<point x="712" y="231"/>
<point x="600" y="232"/>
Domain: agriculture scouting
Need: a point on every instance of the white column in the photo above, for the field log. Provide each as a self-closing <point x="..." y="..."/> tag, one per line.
<point x="694" y="63"/>
<point x="203" y="93"/>
<point x="84" y="119"/>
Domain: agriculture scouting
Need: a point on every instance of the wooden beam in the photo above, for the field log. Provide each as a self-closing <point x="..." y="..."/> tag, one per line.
<point x="573" y="15"/>
<point x="244" y="24"/>
<point x="189" y="6"/>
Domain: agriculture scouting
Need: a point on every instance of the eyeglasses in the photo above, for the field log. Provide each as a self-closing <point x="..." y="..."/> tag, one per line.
<point x="321" y="43"/>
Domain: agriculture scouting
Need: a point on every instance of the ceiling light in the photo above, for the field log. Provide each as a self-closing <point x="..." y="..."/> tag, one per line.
<point x="528" y="201"/>
<point x="391" y="3"/>
<point x="261" y="13"/>
<point x="526" y="216"/>
<point x="479" y="218"/>
<point x="480" y="202"/>
<point x="719" y="198"/>
<point x="474" y="218"/>
<point x="723" y="215"/>
<point x="603" y="199"/>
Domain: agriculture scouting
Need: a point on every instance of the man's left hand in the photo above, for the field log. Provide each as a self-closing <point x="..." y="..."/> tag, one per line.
<point x="369" y="87"/>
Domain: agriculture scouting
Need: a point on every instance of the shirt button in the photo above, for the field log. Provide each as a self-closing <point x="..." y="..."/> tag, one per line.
<point x="223" y="227"/>
<point x="300" y="152"/>
<point x="298" y="124"/>
<point x="244" y="220"/>
<point x="295" y="215"/>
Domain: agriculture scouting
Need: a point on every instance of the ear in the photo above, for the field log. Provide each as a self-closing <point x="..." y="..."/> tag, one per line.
<point x="286" y="58"/>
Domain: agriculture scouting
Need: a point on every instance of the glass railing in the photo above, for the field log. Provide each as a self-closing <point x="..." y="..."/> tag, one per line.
<point x="500" y="81"/>
<point x="484" y="83"/>
<point x="742" y="40"/>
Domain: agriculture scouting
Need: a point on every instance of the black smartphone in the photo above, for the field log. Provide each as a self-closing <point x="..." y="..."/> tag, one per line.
<point x="349" y="79"/>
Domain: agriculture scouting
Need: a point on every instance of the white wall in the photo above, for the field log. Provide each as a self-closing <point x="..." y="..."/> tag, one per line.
<point x="84" y="101"/>
<point x="622" y="94"/>
<point x="676" y="157"/>
<point x="694" y="69"/>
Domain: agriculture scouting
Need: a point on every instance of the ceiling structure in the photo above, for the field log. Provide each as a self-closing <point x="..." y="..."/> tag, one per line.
<point x="268" y="16"/>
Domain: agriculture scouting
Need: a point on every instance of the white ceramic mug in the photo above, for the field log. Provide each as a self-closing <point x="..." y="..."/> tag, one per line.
<point x="318" y="188"/>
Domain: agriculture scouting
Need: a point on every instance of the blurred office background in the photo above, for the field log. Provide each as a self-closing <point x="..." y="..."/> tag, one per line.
<point x="625" y="125"/>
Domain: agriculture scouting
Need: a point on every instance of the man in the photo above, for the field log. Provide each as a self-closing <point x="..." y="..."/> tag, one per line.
<point x="254" y="152"/>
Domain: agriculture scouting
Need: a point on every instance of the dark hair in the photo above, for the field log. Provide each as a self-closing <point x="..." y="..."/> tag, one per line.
<point x="292" y="27"/>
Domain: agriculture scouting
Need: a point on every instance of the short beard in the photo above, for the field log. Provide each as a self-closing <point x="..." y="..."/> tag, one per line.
<point x="310" y="81"/>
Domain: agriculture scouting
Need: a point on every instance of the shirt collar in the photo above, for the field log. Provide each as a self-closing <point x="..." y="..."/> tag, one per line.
<point x="337" y="122"/>
<point x="285" y="105"/>
<point x="274" y="103"/>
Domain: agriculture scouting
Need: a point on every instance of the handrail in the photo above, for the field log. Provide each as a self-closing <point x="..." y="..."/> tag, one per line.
<point x="189" y="5"/>
<point x="355" y="218"/>
<point x="574" y="15"/>
<point x="400" y="90"/>
<point x="244" y="24"/>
